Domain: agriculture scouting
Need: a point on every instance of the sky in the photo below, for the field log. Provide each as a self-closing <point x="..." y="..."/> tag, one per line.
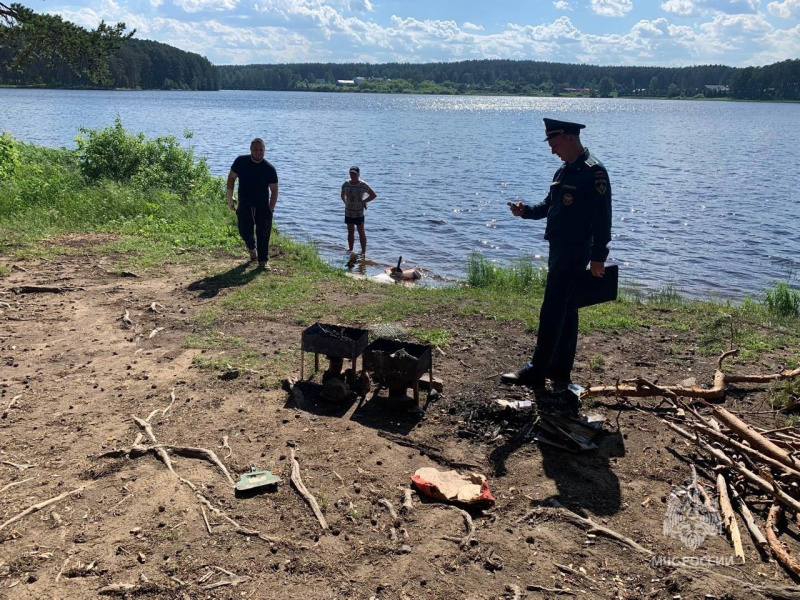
<point x="605" y="32"/>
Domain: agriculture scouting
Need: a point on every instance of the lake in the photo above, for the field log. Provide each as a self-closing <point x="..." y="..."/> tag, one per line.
<point x="705" y="193"/>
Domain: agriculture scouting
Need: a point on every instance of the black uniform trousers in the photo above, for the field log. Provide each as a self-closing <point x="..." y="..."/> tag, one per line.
<point x="258" y="215"/>
<point x="557" y="339"/>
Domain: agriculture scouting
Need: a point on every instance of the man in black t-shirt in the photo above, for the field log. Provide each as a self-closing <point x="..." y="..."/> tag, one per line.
<point x="258" y="193"/>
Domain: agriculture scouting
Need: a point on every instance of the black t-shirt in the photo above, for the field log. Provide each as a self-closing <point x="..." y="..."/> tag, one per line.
<point x="254" y="178"/>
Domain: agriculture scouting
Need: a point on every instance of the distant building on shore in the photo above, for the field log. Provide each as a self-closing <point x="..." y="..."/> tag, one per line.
<point x="345" y="82"/>
<point x="717" y="88"/>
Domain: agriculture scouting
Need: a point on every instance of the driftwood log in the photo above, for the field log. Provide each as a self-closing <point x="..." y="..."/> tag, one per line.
<point x="638" y="389"/>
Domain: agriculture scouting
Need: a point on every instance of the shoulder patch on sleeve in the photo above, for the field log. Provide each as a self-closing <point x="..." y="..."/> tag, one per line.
<point x="601" y="186"/>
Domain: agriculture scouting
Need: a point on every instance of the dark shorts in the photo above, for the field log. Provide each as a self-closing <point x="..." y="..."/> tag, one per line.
<point x="354" y="220"/>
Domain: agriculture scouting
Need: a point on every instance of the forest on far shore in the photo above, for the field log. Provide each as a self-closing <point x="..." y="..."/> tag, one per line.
<point x="144" y="64"/>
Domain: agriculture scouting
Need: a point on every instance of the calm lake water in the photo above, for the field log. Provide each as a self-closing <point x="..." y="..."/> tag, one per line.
<point x="705" y="193"/>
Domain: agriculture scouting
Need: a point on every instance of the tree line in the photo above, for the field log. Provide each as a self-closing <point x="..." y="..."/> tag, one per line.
<point x="779" y="81"/>
<point x="135" y="64"/>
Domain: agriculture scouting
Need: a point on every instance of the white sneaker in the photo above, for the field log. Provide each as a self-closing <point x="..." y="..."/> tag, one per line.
<point x="253" y="254"/>
<point x="264" y="266"/>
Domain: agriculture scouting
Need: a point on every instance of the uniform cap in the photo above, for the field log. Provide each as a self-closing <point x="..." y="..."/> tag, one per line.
<point x="552" y="128"/>
<point x="354" y="170"/>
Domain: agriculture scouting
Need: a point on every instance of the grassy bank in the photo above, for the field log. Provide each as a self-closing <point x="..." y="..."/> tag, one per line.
<point x="152" y="202"/>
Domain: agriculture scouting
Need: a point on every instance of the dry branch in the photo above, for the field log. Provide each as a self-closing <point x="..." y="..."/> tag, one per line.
<point x="408" y="505"/>
<point x="751" y="452"/>
<point x="161" y="452"/>
<point x="155" y="332"/>
<point x="728" y="517"/>
<point x="122" y="589"/>
<point x="641" y="389"/>
<point x="590" y="526"/>
<point x="14" y="483"/>
<point x="470" y="539"/>
<point x="756" y="480"/>
<point x="233" y="580"/>
<point x="388" y="505"/>
<point x="301" y="488"/>
<point x="515" y="591"/>
<point x="40" y="506"/>
<point x="532" y="587"/>
<point x="225" y="446"/>
<point x="758" y="538"/>
<point x="781" y="553"/>
<point x="16" y="465"/>
<point x="756" y="440"/>
<point x="126" y="319"/>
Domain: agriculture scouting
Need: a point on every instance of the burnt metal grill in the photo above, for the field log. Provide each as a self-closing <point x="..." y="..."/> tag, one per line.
<point x="398" y="365"/>
<point x="334" y="341"/>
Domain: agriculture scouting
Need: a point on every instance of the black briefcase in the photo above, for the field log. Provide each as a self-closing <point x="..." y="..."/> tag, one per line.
<point x="591" y="290"/>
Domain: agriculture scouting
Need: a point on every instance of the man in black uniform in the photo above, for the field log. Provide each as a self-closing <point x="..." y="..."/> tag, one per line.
<point x="578" y="211"/>
<point x="258" y="193"/>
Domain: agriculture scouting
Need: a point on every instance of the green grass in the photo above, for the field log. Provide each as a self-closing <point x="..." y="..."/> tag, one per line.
<point x="434" y="337"/>
<point x="4" y="270"/>
<point x="272" y="369"/>
<point x="782" y="300"/>
<point x="785" y="394"/>
<point x="211" y="340"/>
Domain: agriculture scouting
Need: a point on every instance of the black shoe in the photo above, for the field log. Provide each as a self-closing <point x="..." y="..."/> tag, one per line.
<point x="561" y="385"/>
<point x="523" y="377"/>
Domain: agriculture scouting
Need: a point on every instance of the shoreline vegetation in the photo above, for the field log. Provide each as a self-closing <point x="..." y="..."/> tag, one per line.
<point x="325" y="89"/>
<point x="112" y="187"/>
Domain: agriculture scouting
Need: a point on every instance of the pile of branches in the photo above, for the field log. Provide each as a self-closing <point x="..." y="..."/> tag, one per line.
<point x="752" y="466"/>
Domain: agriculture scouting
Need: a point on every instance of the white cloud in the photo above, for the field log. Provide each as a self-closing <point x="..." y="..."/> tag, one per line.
<point x="611" y="8"/>
<point x="781" y="44"/>
<point x="324" y="30"/>
<point x="562" y="5"/>
<point x="786" y="9"/>
<point x="684" y="8"/>
<point x="156" y="3"/>
<point x="193" y="6"/>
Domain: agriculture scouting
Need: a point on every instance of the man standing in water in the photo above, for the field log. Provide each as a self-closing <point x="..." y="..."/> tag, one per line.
<point x="258" y="193"/>
<point x="355" y="203"/>
<point x="578" y="212"/>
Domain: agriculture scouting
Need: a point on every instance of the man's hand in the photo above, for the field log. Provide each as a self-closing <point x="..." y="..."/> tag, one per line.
<point x="517" y="208"/>
<point x="597" y="268"/>
<point x="229" y="198"/>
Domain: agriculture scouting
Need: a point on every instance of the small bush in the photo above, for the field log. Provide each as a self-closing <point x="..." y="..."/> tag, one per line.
<point x="9" y="157"/>
<point x="161" y="163"/>
<point x="782" y="300"/>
